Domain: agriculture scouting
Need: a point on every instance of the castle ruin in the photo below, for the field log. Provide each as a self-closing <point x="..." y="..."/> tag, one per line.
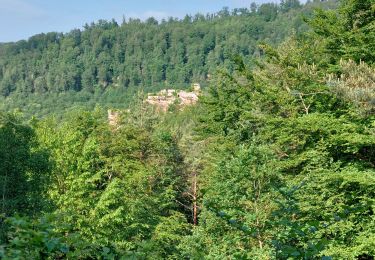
<point x="166" y="97"/>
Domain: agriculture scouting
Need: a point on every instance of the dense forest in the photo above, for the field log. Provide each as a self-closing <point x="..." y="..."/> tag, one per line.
<point x="107" y="63"/>
<point x="276" y="161"/>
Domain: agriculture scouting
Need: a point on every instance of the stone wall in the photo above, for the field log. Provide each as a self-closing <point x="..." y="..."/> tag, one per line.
<point x="166" y="97"/>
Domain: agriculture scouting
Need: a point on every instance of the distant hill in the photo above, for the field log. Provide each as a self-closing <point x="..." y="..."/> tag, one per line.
<point x="107" y="63"/>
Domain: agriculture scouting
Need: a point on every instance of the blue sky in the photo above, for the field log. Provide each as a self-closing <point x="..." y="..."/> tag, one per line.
<point x="20" y="19"/>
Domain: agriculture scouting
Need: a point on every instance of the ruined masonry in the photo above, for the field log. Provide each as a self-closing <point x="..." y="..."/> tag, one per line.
<point x="166" y="97"/>
<point x="162" y="101"/>
<point x="113" y="117"/>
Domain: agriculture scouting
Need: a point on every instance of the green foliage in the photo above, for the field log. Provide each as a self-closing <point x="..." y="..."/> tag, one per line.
<point x="44" y="239"/>
<point x="356" y="84"/>
<point x="320" y="204"/>
<point x="275" y="162"/>
<point x="125" y="178"/>
<point x="348" y="33"/>
<point x="236" y="206"/>
<point x="24" y="167"/>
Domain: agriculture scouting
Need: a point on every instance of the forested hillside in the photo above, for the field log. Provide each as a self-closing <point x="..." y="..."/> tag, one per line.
<point x="275" y="161"/>
<point x="108" y="63"/>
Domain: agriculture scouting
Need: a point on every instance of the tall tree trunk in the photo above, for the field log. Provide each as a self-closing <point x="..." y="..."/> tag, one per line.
<point x="195" y="206"/>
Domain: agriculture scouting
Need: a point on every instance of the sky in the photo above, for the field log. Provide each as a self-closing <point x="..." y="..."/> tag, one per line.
<point x="20" y="19"/>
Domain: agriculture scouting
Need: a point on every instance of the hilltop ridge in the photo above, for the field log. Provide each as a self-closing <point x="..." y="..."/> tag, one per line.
<point x="107" y="63"/>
